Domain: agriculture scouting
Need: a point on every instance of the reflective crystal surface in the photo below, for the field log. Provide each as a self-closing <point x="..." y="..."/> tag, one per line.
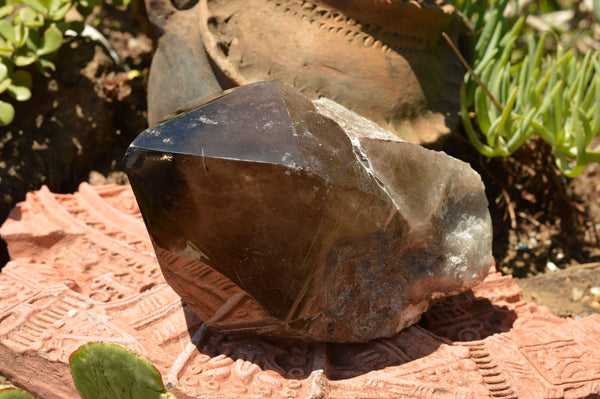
<point x="273" y="214"/>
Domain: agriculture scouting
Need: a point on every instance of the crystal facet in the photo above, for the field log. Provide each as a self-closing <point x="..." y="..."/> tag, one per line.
<point x="273" y="214"/>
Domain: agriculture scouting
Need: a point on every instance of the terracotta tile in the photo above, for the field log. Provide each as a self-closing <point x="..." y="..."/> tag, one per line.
<point x="83" y="269"/>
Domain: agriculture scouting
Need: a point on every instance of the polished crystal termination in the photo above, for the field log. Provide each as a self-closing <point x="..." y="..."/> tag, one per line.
<point x="272" y="214"/>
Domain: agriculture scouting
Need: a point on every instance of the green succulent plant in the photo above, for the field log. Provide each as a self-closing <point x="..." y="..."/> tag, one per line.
<point x="31" y="32"/>
<point x="510" y="96"/>
<point x="27" y="37"/>
<point x="110" y="371"/>
<point x="14" y="393"/>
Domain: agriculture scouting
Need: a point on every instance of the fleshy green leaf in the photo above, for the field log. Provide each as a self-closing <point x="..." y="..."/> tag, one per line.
<point x="4" y="84"/>
<point x="7" y="30"/>
<point x="596" y="123"/>
<point x="51" y="41"/>
<point x="45" y="66"/>
<point x="22" y="78"/>
<point x="37" y="5"/>
<point x="5" y="48"/>
<point x="110" y="371"/>
<point x="6" y="10"/>
<point x="19" y="93"/>
<point x="33" y="42"/>
<point x="30" y="17"/>
<point x="563" y="164"/>
<point x="481" y="147"/>
<point x="7" y="113"/>
<point x="509" y="40"/>
<point x="21" y="34"/>
<point x="27" y="58"/>
<point x="15" y="33"/>
<point x="59" y="9"/>
<point x="20" y="86"/>
<point x="3" y="71"/>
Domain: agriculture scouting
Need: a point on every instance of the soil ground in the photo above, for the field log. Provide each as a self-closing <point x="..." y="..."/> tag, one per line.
<point x="79" y="123"/>
<point x="84" y="116"/>
<point x="546" y="227"/>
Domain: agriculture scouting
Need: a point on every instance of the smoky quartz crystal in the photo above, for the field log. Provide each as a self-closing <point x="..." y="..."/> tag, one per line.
<point x="274" y="214"/>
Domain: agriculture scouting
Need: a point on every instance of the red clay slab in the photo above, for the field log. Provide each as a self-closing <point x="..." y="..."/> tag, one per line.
<point x="83" y="270"/>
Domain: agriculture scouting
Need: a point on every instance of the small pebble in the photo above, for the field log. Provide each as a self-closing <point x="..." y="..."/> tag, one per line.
<point x="96" y="178"/>
<point x="576" y="294"/>
<point x="551" y="266"/>
<point x="521" y="246"/>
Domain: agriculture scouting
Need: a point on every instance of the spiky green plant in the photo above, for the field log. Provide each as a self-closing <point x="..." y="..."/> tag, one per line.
<point x="554" y="96"/>
<point x="110" y="371"/>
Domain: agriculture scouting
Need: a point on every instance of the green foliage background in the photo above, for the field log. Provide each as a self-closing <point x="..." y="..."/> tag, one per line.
<point x="530" y="84"/>
<point x="31" y="32"/>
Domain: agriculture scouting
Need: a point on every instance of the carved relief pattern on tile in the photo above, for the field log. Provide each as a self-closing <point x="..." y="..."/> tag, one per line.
<point x="251" y="366"/>
<point x="83" y="270"/>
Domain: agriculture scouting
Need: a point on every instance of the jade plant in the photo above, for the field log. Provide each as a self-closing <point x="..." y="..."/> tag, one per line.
<point x="509" y="95"/>
<point x="31" y="32"/>
<point x="110" y="371"/>
<point x="29" y="35"/>
<point x="14" y="393"/>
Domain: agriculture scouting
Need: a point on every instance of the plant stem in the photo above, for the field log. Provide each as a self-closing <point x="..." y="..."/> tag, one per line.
<point x="472" y="72"/>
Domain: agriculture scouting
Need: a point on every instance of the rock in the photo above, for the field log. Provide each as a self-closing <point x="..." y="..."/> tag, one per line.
<point x="272" y="215"/>
<point x="83" y="270"/>
<point x="385" y="60"/>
